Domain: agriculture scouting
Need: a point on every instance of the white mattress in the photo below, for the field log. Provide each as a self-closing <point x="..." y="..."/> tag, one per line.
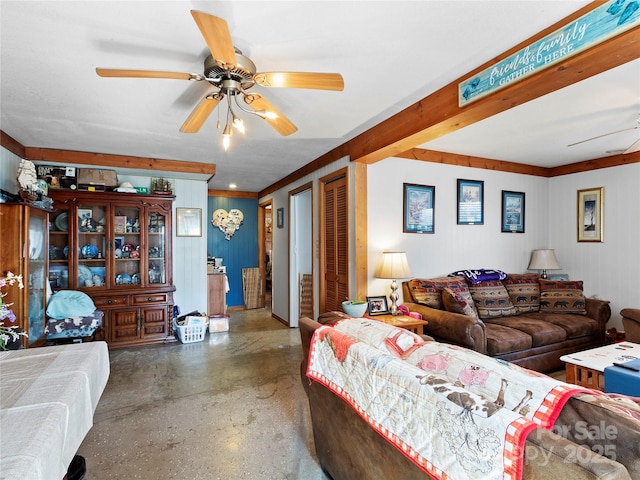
<point x="47" y="399"/>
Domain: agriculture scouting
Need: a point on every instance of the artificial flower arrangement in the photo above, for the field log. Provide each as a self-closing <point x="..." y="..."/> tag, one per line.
<point x="9" y="333"/>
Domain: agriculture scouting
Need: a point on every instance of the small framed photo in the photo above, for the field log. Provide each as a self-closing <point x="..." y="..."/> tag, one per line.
<point x="590" y="215"/>
<point x="188" y="222"/>
<point x="470" y="202"/>
<point x="512" y="212"/>
<point x="377" y="305"/>
<point x="119" y="224"/>
<point x="280" y="218"/>
<point x="418" y="208"/>
<point x="85" y="214"/>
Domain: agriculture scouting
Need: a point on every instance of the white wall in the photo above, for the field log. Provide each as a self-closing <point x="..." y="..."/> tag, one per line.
<point x="609" y="269"/>
<point x="8" y="171"/>
<point x="452" y="247"/>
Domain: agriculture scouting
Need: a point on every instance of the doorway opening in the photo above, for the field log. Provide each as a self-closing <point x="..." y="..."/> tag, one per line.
<point x="265" y="251"/>
<point x="301" y="289"/>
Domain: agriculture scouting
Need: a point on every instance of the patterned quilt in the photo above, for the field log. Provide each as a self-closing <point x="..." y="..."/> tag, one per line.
<point x="455" y="413"/>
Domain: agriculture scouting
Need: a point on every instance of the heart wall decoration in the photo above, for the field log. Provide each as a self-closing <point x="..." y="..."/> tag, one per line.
<point x="227" y="222"/>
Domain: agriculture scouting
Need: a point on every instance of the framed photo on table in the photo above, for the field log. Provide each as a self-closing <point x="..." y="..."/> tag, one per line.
<point x="470" y="202"/>
<point x="419" y="208"/>
<point x="377" y="305"/>
<point x="590" y="214"/>
<point x="512" y="212"/>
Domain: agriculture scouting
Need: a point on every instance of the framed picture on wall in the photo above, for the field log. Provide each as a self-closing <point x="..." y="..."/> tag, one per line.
<point x="280" y="218"/>
<point x="418" y="208"/>
<point x="512" y="212"/>
<point x="590" y="214"/>
<point x="470" y="202"/>
<point x="188" y="222"/>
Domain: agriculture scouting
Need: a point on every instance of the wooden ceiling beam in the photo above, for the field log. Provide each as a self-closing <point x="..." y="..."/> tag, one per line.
<point x="117" y="161"/>
<point x="11" y="144"/>
<point x="474" y="162"/>
<point x="439" y="114"/>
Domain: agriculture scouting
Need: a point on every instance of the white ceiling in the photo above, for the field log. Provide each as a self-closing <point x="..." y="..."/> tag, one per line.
<point x="390" y="53"/>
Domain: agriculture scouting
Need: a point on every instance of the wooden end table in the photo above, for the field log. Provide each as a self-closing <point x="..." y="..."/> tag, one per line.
<point x="403" y="321"/>
<point x="586" y="368"/>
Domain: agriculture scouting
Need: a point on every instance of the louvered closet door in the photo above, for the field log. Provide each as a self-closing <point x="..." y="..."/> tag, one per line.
<point x="335" y="236"/>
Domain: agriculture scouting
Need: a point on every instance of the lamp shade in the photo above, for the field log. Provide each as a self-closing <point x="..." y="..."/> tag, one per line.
<point x="543" y="260"/>
<point x="394" y="265"/>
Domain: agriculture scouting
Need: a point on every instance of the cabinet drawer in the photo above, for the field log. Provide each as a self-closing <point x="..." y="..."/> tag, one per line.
<point x="150" y="298"/>
<point x="106" y="302"/>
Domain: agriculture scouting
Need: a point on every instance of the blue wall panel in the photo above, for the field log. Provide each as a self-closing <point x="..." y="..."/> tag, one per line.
<point x="239" y="252"/>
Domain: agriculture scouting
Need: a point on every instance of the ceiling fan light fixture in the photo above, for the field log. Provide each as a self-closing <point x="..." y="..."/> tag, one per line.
<point x="226" y="137"/>
<point x="238" y="124"/>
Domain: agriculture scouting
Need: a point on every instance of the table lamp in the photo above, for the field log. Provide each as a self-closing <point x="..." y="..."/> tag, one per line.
<point x="394" y="266"/>
<point x="544" y="259"/>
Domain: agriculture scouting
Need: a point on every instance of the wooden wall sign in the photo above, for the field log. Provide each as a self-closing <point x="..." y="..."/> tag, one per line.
<point x="600" y="24"/>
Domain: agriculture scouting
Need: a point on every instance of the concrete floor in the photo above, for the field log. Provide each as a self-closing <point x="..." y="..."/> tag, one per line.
<point x="229" y="407"/>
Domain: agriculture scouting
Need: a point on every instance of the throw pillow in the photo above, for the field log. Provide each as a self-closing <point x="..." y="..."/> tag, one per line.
<point x="492" y="300"/>
<point x="562" y="296"/>
<point x="455" y="303"/>
<point x="524" y="291"/>
<point x="429" y="291"/>
<point x="70" y="303"/>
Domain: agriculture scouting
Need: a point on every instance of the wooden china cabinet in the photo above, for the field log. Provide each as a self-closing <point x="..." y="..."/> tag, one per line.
<point x="23" y="252"/>
<point x="116" y="247"/>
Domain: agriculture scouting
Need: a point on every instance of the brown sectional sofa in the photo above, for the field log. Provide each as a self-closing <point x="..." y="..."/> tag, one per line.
<point x="348" y="448"/>
<point x="521" y="320"/>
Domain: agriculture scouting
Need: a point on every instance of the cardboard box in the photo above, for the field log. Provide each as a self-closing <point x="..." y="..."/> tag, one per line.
<point x="97" y="177"/>
<point x="58" y="177"/>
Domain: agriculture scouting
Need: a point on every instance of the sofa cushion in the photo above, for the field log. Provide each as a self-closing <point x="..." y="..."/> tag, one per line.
<point x="502" y="339"/>
<point x="491" y="299"/>
<point x="562" y="296"/>
<point x="540" y="331"/>
<point x="455" y="303"/>
<point x="575" y="325"/>
<point x="524" y="291"/>
<point x="429" y="291"/>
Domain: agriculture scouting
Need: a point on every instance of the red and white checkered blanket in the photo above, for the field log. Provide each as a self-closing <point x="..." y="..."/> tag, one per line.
<point x="455" y="413"/>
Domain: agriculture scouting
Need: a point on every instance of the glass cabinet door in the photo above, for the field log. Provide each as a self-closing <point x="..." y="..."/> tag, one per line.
<point x="156" y="234"/>
<point x="126" y="246"/>
<point x="59" y="249"/>
<point x="91" y="249"/>
<point x="37" y="276"/>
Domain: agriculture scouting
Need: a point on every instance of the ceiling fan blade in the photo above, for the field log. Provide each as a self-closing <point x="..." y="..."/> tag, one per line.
<point x="281" y="123"/>
<point x="603" y="135"/>
<point x="216" y="33"/>
<point x="121" y="73"/>
<point x="635" y="147"/>
<point x="201" y="113"/>
<point x="318" y="81"/>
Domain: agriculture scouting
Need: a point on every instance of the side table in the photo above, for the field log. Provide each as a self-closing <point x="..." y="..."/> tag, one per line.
<point x="403" y="321"/>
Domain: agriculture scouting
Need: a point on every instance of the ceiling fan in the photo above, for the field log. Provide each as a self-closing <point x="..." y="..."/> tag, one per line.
<point x="635" y="146"/>
<point x="234" y="75"/>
